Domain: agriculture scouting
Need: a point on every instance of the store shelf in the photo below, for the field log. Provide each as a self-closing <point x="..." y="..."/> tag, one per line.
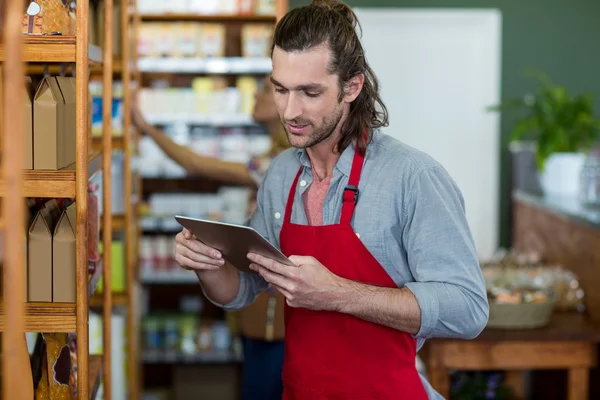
<point x="94" y="374"/>
<point x="54" y="69"/>
<point x="46" y="317"/>
<point x="174" y="357"/>
<point x="118" y="299"/>
<point x="225" y="65"/>
<point x="118" y="222"/>
<point x="217" y="120"/>
<point x="55" y="184"/>
<point x="53" y="317"/>
<point x="207" y="18"/>
<point x="170" y="276"/>
<point x="52" y="49"/>
<point x="118" y="143"/>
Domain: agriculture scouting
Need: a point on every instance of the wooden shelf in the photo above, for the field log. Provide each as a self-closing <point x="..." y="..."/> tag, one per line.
<point x="208" y="18"/>
<point x="118" y="222"/>
<point x="118" y="143"/>
<point x="54" y="69"/>
<point x="46" y="317"/>
<point x="54" y="49"/>
<point x="55" y="184"/>
<point x="94" y="374"/>
<point x="118" y="299"/>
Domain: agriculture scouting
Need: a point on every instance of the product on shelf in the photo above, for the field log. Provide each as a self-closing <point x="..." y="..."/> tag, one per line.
<point x="518" y="278"/>
<point x="64" y="258"/>
<point x="256" y="40"/>
<point x="207" y="7"/>
<point x="40" y="252"/>
<point x="95" y="90"/>
<point x="54" y="125"/>
<point x="28" y="125"/>
<point x="49" y="17"/>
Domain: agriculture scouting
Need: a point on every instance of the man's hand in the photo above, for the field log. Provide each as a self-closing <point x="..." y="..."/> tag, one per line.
<point x="308" y="285"/>
<point x="192" y="254"/>
<point x="311" y="285"/>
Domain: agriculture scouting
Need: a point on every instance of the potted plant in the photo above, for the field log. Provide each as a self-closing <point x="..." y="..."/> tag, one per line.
<point x="563" y="129"/>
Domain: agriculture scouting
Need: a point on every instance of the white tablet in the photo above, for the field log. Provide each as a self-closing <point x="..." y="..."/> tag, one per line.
<point x="233" y="241"/>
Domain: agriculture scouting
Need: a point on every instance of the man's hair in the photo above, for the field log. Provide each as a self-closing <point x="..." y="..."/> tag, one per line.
<point x="333" y="23"/>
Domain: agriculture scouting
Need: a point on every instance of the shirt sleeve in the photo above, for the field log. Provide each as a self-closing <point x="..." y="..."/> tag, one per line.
<point x="449" y="284"/>
<point x="251" y="284"/>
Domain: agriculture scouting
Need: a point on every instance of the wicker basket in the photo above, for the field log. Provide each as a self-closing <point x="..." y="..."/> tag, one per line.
<point x="519" y="316"/>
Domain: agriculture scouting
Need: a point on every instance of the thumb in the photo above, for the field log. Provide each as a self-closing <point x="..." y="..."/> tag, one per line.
<point x="187" y="234"/>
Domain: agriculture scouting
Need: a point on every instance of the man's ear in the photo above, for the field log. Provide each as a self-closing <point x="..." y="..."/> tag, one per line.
<point x="353" y="87"/>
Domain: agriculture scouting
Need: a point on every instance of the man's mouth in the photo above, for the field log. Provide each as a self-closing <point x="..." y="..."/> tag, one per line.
<point x="297" y="128"/>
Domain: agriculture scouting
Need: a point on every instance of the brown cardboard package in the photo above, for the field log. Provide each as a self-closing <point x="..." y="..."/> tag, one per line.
<point x="28" y="125"/>
<point x="64" y="260"/>
<point x="54" y="124"/>
<point x="39" y="268"/>
<point x="67" y="87"/>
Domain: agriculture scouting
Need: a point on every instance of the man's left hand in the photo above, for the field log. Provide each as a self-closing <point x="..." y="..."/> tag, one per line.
<point x="308" y="285"/>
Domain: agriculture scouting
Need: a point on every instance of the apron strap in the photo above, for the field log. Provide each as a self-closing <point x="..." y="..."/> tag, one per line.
<point x="351" y="191"/>
<point x="290" y="200"/>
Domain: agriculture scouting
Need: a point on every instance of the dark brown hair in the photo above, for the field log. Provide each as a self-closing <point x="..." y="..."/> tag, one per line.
<point x="335" y="24"/>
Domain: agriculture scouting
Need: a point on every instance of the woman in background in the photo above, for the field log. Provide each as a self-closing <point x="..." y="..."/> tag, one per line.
<point x="261" y="324"/>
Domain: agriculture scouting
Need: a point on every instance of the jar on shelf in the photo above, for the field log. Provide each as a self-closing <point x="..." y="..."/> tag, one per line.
<point x="590" y="180"/>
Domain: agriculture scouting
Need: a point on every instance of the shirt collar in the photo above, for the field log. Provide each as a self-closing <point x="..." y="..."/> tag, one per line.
<point x="344" y="163"/>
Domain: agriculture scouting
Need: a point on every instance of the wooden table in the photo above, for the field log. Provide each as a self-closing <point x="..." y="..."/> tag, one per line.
<point x="568" y="342"/>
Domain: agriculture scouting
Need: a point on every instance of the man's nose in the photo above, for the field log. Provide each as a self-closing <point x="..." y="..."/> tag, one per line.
<point x="292" y="108"/>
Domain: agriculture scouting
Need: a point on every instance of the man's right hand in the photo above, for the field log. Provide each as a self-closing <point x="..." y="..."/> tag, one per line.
<point x="192" y="254"/>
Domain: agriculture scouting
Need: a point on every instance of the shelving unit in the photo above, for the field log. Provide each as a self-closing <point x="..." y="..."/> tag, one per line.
<point x="16" y="315"/>
<point x="163" y="290"/>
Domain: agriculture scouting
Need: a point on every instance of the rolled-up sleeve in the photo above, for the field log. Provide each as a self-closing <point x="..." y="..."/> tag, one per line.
<point x="448" y="283"/>
<point x="251" y="284"/>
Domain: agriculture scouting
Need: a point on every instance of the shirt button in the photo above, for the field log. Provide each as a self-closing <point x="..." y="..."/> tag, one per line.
<point x="358" y="235"/>
<point x="302" y="183"/>
<point x="277" y="215"/>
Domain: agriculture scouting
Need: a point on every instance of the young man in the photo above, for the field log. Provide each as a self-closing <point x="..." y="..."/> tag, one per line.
<point x="377" y="230"/>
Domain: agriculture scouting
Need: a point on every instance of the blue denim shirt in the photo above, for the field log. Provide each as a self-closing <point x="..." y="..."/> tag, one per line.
<point x="410" y="215"/>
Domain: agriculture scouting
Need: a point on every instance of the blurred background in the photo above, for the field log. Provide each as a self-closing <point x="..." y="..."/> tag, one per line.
<point x="502" y="93"/>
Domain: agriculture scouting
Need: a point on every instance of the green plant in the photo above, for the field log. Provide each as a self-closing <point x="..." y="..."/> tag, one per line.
<point x="554" y="119"/>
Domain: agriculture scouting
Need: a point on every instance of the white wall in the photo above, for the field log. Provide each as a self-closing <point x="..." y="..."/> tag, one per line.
<point x="439" y="69"/>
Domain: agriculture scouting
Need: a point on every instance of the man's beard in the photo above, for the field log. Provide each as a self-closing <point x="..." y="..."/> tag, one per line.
<point x="321" y="134"/>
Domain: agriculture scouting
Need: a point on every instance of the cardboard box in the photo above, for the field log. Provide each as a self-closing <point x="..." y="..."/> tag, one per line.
<point x="54" y="124"/>
<point x="39" y="268"/>
<point x="67" y="87"/>
<point x="28" y="125"/>
<point x="64" y="258"/>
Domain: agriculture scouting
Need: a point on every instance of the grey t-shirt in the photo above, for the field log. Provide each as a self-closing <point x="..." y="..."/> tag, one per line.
<point x="410" y="215"/>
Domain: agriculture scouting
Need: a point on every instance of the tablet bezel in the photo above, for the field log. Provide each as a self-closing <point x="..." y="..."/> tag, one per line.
<point x="234" y="248"/>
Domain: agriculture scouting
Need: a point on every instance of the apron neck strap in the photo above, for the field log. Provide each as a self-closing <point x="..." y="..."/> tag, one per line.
<point x="351" y="191"/>
<point x="290" y="199"/>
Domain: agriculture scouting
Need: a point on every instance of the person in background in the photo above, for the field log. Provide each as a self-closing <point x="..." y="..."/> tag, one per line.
<point x="261" y="323"/>
<point x="383" y="257"/>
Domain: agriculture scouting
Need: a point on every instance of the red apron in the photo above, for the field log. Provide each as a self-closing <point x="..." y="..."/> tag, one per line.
<point x="330" y="355"/>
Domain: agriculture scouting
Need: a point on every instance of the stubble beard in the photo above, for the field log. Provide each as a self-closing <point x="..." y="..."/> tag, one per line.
<point x="319" y="135"/>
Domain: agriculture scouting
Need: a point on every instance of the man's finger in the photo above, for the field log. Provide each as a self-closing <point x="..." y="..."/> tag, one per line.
<point x="271" y="264"/>
<point x="273" y="278"/>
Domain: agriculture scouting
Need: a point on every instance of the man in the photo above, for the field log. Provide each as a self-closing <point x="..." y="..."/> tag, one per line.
<point x="377" y="230"/>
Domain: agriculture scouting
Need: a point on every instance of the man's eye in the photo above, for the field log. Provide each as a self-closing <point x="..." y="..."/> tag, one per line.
<point x="280" y="90"/>
<point x="309" y="94"/>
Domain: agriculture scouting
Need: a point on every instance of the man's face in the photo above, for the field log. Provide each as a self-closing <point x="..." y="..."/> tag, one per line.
<point x="306" y="95"/>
